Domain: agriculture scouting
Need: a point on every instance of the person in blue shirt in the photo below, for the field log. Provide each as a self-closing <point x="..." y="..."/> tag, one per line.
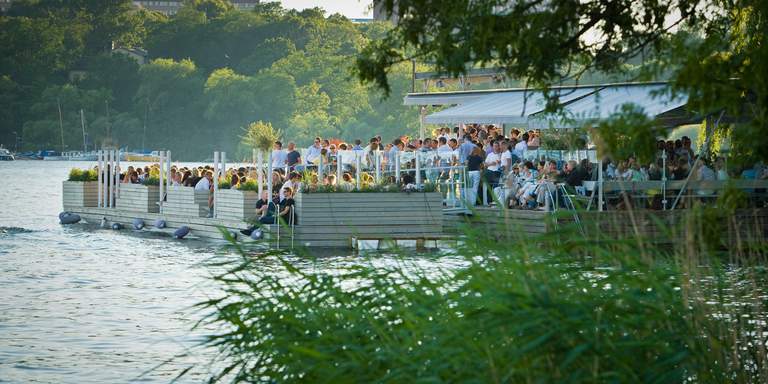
<point x="465" y="149"/>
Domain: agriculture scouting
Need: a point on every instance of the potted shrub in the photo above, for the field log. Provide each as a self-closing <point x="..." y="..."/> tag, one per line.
<point x="236" y="203"/>
<point x="80" y="189"/>
<point x="140" y="197"/>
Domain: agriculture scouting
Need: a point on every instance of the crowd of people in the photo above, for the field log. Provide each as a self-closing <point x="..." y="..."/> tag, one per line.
<point x="500" y="162"/>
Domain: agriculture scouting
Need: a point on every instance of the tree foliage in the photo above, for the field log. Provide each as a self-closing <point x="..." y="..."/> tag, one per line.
<point x="212" y="71"/>
<point x="712" y="50"/>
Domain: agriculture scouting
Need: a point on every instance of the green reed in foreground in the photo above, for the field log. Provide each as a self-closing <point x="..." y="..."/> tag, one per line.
<point x="522" y="310"/>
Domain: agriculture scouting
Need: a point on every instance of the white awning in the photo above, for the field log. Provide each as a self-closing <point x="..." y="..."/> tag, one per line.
<point x="607" y="101"/>
<point x="508" y="107"/>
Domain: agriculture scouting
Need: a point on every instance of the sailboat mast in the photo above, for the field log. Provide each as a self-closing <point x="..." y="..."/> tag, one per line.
<point x="61" y="123"/>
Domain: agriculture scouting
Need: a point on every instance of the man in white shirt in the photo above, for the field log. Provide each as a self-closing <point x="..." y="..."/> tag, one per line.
<point x="278" y="155"/>
<point x="314" y="151"/>
<point x="493" y="167"/>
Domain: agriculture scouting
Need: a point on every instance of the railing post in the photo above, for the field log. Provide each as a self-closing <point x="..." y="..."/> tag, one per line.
<point x="215" y="180"/>
<point x="108" y="175"/>
<point x="269" y="175"/>
<point x="418" y="168"/>
<point x="320" y="165"/>
<point x="600" y="185"/>
<point x="99" y="174"/>
<point x="259" y="172"/>
<point x="377" y="161"/>
<point x="357" y="170"/>
<point x="162" y="178"/>
<point x="117" y="178"/>
<point x="339" y="162"/>
<point x="397" y="167"/>
<point x="664" y="179"/>
<point x="224" y="163"/>
<point x="169" y="180"/>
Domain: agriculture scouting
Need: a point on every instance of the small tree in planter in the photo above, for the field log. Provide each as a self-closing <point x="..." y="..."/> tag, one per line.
<point x="261" y="136"/>
<point x="80" y="189"/>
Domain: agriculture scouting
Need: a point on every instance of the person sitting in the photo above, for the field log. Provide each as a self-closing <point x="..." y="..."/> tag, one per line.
<point x="287" y="212"/>
<point x="292" y="183"/>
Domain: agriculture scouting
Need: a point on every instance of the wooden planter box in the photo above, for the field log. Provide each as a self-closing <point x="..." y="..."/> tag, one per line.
<point x="234" y="204"/>
<point x="185" y="201"/>
<point x="138" y="198"/>
<point x="77" y="194"/>
<point x="332" y="219"/>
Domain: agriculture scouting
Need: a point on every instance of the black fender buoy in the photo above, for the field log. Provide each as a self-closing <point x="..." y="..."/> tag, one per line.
<point x="117" y="226"/>
<point x="181" y="232"/>
<point x="160" y="223"/>
<point x="257" y="234"/>
<point x="138" y="224"/>
<point x="68" y="218"/>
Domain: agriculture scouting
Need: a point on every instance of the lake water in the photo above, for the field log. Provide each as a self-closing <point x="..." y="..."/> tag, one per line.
<point x="80" y="304"/>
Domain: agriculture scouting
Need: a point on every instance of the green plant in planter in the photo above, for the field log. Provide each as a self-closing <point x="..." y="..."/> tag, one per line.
<point x="77" y="174"/>
<point x="151" y="180"/>
<point x="225" y="184"/>
<point x="250" y="185"/>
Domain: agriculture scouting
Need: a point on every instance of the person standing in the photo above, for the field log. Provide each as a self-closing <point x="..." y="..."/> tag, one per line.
<point x="279" y="156"/>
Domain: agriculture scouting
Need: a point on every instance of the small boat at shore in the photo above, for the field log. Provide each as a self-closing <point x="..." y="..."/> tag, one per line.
<point x="6" y="155"/>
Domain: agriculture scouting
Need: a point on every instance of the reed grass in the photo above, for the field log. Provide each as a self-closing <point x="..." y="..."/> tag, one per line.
<point x="561" y="307"/>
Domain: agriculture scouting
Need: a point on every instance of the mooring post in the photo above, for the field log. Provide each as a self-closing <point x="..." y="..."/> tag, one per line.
<point x="215" y="180"/>
<point x="269" y="176"/>
<point x="377" y="161"/>
<point x="99" y="173"/>
<point x="339" y="162"/>
<point x="357" y="170"/>
<point x="108" y="184"/>
<point x="169" y="181"/>
<point x="418" y="169"/>
<point x="162" y="178"/>
<point x="320" y="165"/>
<point x="397" y="167"/>
<point x="117" y="178"/>
<point x="259" y="172"/>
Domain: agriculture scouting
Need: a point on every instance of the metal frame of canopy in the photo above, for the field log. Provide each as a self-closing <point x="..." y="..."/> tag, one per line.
<point x="581" y="105"/>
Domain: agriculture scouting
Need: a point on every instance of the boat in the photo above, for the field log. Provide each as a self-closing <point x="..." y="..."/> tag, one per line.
<point x="6" y="155"/>
<point x="81" y="156"/>
<point x="49" y="155"/>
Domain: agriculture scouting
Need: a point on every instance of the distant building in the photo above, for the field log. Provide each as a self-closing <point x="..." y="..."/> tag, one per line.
<point x="172" y="7"/>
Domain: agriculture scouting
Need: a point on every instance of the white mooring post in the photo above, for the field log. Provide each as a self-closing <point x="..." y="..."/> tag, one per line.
<point x="320" y="166"/>
<point x="397" y="167"/>
<point x="338" y="168"/>
<point x="100" y="163"/>
<point x="215" y="180"/>
<point x="259" y="169"/>
<point x="115" y="178"/>
<point x="357" y="170"/>
<point x="162" y="178"/>
<point x="118" y="181"/>
<point x="600" y="185"/>
<point x="377" y="161"/>
<point x="108" y="184"/>
<point x="168" y="181"/>
<point x="418" y="169"/>
<point x="269" y="174"/>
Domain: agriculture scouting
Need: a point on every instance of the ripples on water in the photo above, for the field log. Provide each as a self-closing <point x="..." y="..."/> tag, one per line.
<point x="81" y="304"/>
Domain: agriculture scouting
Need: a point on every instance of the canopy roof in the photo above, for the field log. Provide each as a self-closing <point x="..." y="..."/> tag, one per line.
<point x="526" y="107"/>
